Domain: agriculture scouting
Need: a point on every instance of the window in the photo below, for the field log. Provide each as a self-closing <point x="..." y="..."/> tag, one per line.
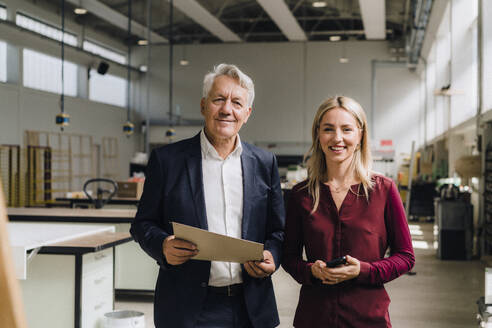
<point x="487" y="55"/>
<point x="108" y="89"/>
<point x="3" y="61"/>
<point x="463" y="62"/>
<point x="104" y="52"/>
<point x="45" y="29"/>
<point x="3" y="13"/>
<point x="43" y="72"/>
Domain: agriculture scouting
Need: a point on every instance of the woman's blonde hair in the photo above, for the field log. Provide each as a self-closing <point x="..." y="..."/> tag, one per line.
<point x="361" y="162"/>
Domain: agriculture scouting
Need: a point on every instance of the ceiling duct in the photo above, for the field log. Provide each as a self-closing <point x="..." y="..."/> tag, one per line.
<point x="420" y="17"/>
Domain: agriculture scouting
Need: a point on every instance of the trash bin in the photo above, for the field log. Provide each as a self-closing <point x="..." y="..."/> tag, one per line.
<point x="124" y="319"/>
<point x="455" y="229"/>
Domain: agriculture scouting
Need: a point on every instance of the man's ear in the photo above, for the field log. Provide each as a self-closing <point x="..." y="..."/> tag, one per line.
<point x="202" y="105"/>
<point x="250" y="109"/>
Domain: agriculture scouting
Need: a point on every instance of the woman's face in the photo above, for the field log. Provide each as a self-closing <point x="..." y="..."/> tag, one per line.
<point x="339" y="135"/>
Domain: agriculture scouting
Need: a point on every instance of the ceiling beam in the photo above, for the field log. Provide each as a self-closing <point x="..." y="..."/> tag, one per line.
<point x="97" y="8"/>
<point x="203" y="17"/>
<point x="373" y="14"/>
<point x="282" y="16"/>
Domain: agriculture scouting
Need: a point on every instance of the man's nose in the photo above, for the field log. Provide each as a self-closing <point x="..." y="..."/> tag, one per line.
<point x="226" y="107"/>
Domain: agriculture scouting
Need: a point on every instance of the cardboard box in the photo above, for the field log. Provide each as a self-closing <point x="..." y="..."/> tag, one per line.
<point x="129" y="189"/>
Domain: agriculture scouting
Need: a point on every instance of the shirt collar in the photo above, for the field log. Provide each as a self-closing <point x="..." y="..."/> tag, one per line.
<point x="209" y="150"/>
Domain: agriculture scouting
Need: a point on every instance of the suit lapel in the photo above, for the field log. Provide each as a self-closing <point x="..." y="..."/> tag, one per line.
<point x="194" y="165"/>
<point x="249" y="169"/>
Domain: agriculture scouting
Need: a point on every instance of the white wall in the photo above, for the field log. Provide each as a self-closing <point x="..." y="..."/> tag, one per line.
<point x="27" y="109"/>
<point x="24" y="109"/>
<point x="291" y="80"/>
<point x="398" y="108"/>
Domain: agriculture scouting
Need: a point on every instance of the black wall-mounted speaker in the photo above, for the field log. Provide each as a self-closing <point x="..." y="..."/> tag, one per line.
<point x="102" y="68"/>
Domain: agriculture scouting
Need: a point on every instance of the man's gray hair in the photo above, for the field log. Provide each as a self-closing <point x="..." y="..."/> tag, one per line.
<point x="234" y="72"/>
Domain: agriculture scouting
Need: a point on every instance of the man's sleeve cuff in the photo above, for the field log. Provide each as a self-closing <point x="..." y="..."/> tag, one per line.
<point x="159" y="253"/>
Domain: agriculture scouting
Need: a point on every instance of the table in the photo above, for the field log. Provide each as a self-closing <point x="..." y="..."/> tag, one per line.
<point x="69" y="279"/>
<point x="135" y="271"/>
<point x="113" y="201"/>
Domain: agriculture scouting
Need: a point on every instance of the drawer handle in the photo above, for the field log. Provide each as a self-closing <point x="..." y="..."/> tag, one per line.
<point x="98" y="281"/>
<point x="100" y="256"/>
<point x="100" y="305"/>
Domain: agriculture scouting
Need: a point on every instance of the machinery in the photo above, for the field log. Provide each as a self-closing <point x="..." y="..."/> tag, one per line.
<point x="100" y="201"/>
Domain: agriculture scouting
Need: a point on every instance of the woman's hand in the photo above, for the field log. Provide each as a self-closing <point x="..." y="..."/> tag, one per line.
<point x="317" y="270"/>
<point x="332" y="276"/>
<point x="342" y="272"/>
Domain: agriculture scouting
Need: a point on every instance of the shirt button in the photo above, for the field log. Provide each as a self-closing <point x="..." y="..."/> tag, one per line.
<point x="204" y="284"/>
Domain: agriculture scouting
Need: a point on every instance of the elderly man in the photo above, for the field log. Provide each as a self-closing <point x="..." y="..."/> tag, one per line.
<point x="216" y="182"/>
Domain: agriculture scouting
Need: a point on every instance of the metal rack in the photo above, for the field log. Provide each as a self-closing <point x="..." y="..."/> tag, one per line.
<point x="487" y="227"/>
<point x="110" y="157"/>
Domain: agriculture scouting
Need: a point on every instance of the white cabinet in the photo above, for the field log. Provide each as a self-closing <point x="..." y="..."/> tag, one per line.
<point x="50" y="292"/>
<point x="135" y="270"/>
<point x="97" y="287"/>
<point x="71" y="283"/>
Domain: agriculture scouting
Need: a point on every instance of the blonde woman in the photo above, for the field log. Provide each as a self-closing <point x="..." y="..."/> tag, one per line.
<point x="344" y="209"/>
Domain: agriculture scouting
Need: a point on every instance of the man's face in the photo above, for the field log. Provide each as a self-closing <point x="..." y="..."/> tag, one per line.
<point x="225" y="109"/>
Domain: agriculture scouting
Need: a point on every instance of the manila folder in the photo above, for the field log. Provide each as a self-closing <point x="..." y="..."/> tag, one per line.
<point x="216" y="247"/>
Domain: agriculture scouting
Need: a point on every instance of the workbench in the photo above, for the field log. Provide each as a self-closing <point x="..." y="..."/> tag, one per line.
<point x="68" y="278"/>
<point x="85" y="201"/>
<point x="135" y="271"/>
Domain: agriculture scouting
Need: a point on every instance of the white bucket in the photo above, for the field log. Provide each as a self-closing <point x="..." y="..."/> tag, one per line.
<point x="124" y="319"/>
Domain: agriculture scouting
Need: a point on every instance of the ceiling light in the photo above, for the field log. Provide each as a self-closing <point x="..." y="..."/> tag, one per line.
<point x="142" y="42"/>
<point x="143" y="68"/>
<point x="184" y="62"/>
<point x="343" y="60"/>
<point x="319" y="4"/>
<point x="80" y="11"/>
<point x="335" y="38"/>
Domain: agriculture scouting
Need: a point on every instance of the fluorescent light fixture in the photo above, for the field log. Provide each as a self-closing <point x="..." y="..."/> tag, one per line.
<point x="373" y="13"/>
<point x="335" y="38"/>
<point x="319" y="4"/>
<point x="142" y="42"/>
<point x="184" y="62"/>
<point x="280" y="13"/>
<point x="343" y="60"/>
<point x="143" y="68"/>
<point x="80" y="11"/>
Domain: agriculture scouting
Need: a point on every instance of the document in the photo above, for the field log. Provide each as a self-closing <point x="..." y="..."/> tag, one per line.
<point x="216" y="247"/>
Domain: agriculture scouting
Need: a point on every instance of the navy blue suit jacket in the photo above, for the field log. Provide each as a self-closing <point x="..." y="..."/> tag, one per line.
<point x="173" y="191"/>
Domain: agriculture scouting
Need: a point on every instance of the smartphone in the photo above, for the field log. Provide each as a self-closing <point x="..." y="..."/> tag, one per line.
<point x="336" y="262"/>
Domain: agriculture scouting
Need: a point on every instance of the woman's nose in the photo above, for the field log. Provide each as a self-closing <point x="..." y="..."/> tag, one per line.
<point x="338" y="134"/>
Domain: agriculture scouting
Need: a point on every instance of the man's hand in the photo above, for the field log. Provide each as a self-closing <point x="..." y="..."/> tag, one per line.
<point x="178" y="251"/>
<point x="261" y="269"/>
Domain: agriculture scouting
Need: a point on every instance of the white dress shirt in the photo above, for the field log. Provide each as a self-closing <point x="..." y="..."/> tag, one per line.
<point x="223" y="190"/>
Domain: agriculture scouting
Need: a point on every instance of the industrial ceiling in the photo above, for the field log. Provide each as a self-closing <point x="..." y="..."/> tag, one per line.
<point x="217" y="21"/>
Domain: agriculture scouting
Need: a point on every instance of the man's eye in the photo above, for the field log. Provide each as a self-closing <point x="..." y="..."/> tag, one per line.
<point x="218" y="100"/>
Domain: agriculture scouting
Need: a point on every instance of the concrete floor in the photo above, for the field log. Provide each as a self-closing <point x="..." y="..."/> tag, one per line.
<point x="442" y="294"/>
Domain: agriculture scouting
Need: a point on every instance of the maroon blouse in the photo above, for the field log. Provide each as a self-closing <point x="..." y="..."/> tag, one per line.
<point x="362" y="229"/>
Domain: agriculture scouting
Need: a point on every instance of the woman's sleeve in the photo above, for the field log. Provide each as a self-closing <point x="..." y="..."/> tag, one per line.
<point x="401" y="257"/>
<point x="292" y="260"/>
